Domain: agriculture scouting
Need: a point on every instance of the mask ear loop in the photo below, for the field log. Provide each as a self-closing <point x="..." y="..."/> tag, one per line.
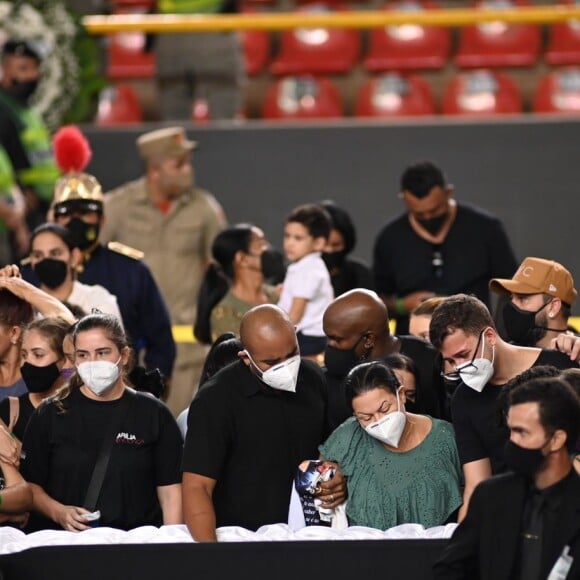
<point x="483" y="348"/>
<point x="398" y="399"/>
<point x="254" y="364"/>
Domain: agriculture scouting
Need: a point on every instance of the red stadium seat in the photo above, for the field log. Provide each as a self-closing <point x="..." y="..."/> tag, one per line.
<point x="498" y="44"/>
<point x="316" y="50"/>
<point x="393" y="95"/>
<point x="118" y="106"/>
<point x="127" y="56"/>
<point x="559" y="92"/>
<point x="564" y="42"/>
<point x="143" y="5"/>
<point x="408" y="47"/>
<point x="256" y="45"/>
<point x="302" y="98"/>
<point x="250" y="3"/>
<point x="481" y="93"/>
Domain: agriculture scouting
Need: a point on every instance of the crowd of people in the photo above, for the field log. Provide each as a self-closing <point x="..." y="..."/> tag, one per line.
<point x="457" y="411"/>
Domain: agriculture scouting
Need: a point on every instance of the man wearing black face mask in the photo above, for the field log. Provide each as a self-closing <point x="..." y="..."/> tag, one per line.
<point x="525" y="524"/>
<point x="541" y="295"/>
<point x="437" y="247"/>
<point x="23" y="134"/>
<point x="357" y="327"/>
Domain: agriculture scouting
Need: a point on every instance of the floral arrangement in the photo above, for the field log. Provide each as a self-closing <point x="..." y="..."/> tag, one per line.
<point x="70" y="77"/>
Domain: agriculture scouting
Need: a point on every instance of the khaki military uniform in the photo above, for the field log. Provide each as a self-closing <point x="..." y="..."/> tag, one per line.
<point x="177" y="247"/>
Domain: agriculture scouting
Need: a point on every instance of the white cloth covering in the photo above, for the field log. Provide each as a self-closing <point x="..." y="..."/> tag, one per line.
<point x="13" y="540"/>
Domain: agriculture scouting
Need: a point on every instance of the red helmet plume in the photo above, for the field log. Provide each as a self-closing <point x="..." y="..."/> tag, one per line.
<point x="71" y="149"/>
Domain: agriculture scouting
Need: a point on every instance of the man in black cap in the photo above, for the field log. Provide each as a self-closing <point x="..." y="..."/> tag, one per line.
<point x="23" y="134"/>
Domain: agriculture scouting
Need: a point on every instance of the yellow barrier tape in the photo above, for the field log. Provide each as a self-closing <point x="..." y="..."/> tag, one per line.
<point x="156" y="23"/>
<point x="183" y="333"/>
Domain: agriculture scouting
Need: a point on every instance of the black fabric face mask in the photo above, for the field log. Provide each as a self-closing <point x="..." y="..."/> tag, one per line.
<point x="433" y="225"/>
<point x="84" y="235"/>
<point x="520" y="325"/>
<point x="51" y="273"/>
<point x="21" y="91"/>
<point x="334" y="259"/>
<point x="339" y="362"/>
<point x="273" y="268"/>
<point x="39" y="379"/>
<point x="524" y="462"/>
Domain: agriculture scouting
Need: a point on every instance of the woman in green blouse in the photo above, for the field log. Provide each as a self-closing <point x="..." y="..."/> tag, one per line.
<point x="400" y="467"/>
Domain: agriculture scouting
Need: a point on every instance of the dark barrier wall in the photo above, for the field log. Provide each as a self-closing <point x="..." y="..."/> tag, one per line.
<point x="337" y="560"/>
<point x="526" y="171"/>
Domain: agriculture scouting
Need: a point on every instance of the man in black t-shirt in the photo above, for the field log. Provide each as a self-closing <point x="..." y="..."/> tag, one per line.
<point x="357" y="327"/>
<point x="250" y="427"/>
<point x="475" y="356"/>
<point x="437" y="247"/>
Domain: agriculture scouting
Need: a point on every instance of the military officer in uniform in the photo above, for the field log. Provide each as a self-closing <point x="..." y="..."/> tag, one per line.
<point x="78" y="205"/>
<point x="174" y="222"/>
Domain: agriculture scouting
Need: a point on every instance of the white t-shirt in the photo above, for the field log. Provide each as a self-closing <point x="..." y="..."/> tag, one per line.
<point x="88" y="297"/>
<point x="309" y="279"/>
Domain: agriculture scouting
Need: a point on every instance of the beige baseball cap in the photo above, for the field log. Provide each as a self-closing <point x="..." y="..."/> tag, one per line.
<point x="167" y="142"/>
<point x="538" y="276"/>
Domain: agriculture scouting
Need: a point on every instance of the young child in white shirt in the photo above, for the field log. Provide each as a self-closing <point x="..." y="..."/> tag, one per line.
<point x="307" y="290"/>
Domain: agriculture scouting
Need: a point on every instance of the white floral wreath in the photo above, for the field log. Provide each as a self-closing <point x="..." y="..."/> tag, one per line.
<point x="53" y="32"/>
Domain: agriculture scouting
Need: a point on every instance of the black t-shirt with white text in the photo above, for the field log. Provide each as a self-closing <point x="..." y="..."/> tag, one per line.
<point x="60" y="450"/>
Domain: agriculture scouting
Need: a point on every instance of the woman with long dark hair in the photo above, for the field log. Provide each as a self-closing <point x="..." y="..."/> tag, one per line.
<point x="54" y="259"/>
<point x="233" y="283"/>
<point x="346" y="273"/>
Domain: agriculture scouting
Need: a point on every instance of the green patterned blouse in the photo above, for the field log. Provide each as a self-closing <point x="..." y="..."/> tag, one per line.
<point x="387" y="488"/>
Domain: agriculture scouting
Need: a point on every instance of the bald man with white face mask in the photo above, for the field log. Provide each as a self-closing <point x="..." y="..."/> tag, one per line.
<point x="250" y="427"/>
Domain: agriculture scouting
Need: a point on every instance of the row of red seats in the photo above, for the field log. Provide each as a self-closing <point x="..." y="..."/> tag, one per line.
<point x="475" y="93"/>
<point x="402" y="48"/>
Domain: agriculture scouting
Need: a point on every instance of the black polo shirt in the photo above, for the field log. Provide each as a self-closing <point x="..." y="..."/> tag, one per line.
<point x="250" y="438"/>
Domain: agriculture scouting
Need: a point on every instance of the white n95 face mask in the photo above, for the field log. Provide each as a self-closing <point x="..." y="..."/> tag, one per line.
<point x="390" y="428"/>
<point x="283" y="376"/>
<point x="99" y="375"/>
<point x="476" y="374"/>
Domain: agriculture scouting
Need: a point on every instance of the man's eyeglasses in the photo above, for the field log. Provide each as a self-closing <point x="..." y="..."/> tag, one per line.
<point x="465" y="367"/>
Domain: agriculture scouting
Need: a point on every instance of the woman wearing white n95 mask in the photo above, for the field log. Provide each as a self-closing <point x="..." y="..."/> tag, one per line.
<point x="400" y="467"/>
<point x="99" y="420"/>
